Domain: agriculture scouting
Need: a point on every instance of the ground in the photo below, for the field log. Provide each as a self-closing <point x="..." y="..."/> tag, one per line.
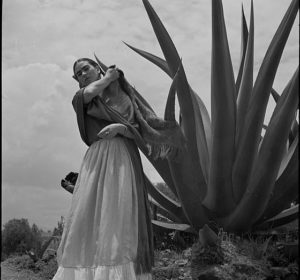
<point x="11" y="273"/>
<point x="238" y="259"/>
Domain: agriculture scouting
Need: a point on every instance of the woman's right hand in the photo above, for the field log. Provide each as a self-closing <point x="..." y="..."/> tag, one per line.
<point x="112" y="74"/>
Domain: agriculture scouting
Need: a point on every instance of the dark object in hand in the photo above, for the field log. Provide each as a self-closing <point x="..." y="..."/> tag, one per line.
<point x="72" y="177"/>
<point x="69" y="182"/>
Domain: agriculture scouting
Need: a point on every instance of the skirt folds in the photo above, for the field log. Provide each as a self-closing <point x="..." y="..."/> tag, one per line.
<point x="100" y="238"/>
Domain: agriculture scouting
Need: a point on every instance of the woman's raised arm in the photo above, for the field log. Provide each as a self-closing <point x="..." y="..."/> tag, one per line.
<point x="95" y="88"/>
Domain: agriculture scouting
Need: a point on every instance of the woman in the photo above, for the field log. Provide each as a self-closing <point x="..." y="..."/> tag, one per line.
<point x="108" y="233"/>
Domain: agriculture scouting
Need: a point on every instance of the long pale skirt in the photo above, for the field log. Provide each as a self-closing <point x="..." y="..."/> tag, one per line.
<point x="100" y="236"/>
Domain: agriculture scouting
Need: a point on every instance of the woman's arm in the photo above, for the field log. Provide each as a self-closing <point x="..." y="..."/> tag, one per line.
<point x="95" y="88"/>
<point x="112" y="130"/>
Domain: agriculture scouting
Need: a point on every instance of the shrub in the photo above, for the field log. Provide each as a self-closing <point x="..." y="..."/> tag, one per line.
<point x="17" y="237"/>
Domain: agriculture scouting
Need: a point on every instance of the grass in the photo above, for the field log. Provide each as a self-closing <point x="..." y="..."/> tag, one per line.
<point x="248" y="257"/>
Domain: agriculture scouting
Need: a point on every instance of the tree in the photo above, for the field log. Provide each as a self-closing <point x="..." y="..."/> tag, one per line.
<point x="17" y="236"/>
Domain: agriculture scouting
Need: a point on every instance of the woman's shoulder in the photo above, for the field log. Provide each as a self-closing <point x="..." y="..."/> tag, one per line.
<point x="78" y="99"/>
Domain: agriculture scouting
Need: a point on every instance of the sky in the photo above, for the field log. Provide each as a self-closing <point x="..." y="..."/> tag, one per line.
<point x="41" y="39"/>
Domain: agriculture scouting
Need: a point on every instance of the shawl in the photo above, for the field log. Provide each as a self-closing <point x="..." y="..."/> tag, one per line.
<point x="154" y="136"/>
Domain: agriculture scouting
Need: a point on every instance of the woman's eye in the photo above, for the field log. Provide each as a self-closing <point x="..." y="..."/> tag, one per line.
<point x="79" y="74"/>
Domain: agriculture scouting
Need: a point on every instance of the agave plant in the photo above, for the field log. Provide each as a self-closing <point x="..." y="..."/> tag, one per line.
<point x="230" y="172"/>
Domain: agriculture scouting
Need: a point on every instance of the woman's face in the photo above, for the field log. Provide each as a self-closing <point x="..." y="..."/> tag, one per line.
<point x="86" y="73"/>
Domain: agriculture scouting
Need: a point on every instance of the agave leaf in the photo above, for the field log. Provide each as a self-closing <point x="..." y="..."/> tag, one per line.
<point x="244" y="40"/>
<point x="165" y="212"/>
<point x="290" y="211"/>
<point x="249" y="141"/>
<point x="166" y="202"/>
<point x="173" y="226"/>
<point x="267" y="163"/>
<point x="170" y="105"/>
<point x="202" y="118"/>
<point x="164" y="39"/>
<point x="243" y="103"/>
<point x="287" y="157"/>
<point x="219" y="196"/>
<point x="101" y="64"/>
<point x="189" y="181"/>
<point x="153" y="58"/>
<point x="186" y="104"/>
<point x="295" y="125"/>
<point x="275" y="95"/>
<point x="281" y="219"/>
<point x="294" y="131"/>
<point x="285" y="189"/>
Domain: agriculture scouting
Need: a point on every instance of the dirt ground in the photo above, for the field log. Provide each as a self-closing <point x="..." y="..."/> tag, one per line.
<point x="9" y="273"/>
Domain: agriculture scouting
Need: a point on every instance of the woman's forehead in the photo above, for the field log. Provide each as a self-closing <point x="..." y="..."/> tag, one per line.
<point x="79" y="65"/>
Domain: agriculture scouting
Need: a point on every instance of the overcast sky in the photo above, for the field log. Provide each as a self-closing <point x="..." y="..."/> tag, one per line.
<point x="41" y="40"/>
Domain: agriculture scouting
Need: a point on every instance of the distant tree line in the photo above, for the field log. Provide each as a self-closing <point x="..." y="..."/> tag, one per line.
<point x="18" y="238"/>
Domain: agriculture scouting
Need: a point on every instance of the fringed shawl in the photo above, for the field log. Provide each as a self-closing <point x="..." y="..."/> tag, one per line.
<point x="162" y="138"/>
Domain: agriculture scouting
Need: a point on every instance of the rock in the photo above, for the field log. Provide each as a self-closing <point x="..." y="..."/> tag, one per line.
<point x="207" y="237"/>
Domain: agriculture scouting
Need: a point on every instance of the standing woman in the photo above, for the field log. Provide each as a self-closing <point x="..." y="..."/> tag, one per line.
<point x="108" y="234"/>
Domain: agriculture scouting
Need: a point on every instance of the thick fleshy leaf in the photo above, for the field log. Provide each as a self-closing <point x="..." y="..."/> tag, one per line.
<point x="189" y="181"/>
<point x="294" y="131"/>
<point x="287" y="157"/>
<point x="188" y="175"/>
<point x="173" y="226"/>
<point x="183" y="93"/>
<point x="281" y="219"/>
<point x="167" y="203"/>
<point x="170" y="105"/>
<point x="267" y="163"/>
<point x="249" y="141"/>
<point x="164" y="39"/>
<point x="275" y="95"/>
<point x="243" y="104"/>
<point x="101" y="64"/>
<point x="163" y="211"/>
<point x="153" y="58"/>
<point x="295" y="125"/>
<point x="286" y="189"/>
<point x="202" y="117"/>
<point x="244" y="39"/>
<point x="219" y="198"/>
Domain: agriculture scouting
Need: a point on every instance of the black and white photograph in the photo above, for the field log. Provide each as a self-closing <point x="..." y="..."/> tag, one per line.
<point x="150" y="140"/>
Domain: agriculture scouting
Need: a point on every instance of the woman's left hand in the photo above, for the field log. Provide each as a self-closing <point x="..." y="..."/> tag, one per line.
<point x="111" y="131"/>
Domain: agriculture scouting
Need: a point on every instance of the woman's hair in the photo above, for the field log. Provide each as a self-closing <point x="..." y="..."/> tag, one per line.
<point x="90" y="61"/>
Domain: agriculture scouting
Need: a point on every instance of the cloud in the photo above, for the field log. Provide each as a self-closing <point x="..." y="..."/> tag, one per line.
<point x="38" y="125"/>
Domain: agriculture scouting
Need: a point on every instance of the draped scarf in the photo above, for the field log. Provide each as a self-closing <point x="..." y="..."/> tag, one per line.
<point x="163" y="138"/>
